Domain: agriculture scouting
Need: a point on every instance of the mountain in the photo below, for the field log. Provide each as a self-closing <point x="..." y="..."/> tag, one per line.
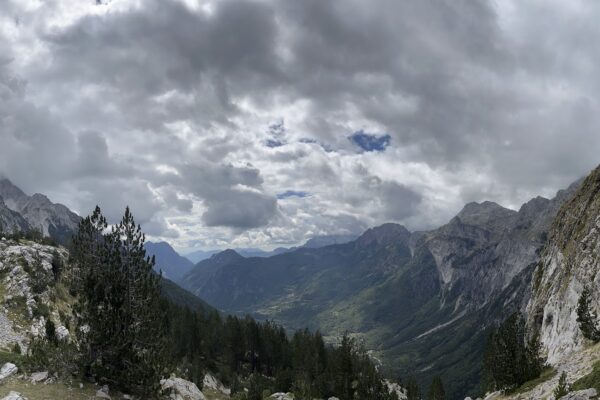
<point x="54" y="220"/>
<point x="172" y="265"/>
<point x="199" y="255"/>
<point x="11" y="221"/>
<point x="313" y="243"/>
<point x="422" y="301"/>
<point x="569" y="262"/>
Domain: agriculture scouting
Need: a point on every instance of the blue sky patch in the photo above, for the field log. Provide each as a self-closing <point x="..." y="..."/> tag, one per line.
<point x="370" y="142"/>
<point x="292" y="193"/>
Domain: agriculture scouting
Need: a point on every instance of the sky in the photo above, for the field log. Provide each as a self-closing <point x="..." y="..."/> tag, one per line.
<point x="256" y="123"/>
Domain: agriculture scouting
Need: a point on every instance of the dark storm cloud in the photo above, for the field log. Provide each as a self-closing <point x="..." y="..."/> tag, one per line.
<point x="189" y="106"/>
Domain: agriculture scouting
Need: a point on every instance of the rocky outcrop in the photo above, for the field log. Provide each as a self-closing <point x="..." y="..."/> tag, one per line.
<point x="586" y="394"/>
<point x="213" y="383"/>
<point x="7" y="370"/>
<point x="570" y="261"/>
<point x="14" y="396"/>
<point x="180" y="389"/>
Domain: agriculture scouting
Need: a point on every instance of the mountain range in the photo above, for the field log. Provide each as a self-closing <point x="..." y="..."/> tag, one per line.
<point x="21" y="212"/>
<point x="314" y="242"/>
<point x="422" y="301"/>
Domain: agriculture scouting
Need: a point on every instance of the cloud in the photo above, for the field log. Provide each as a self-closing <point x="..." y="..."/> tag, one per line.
<point x="203" y="117"/>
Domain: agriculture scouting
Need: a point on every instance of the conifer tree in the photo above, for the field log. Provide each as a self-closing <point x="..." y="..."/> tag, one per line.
<point x="413" y="392"/>
<point x="121" y="320"/>
<point x="507" y="361"/>
<point x="436" y="390"/>
<point x="563" y="387"/>
<point x="586" y="318"/>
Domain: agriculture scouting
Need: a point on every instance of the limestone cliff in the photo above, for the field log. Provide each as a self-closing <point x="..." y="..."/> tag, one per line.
<point x="570" y="261"/>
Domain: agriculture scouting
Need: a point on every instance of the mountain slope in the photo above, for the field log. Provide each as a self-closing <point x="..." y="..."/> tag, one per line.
<point x="54" y="220"/>
<point x="11" y="221"/>
<point x="570" y="261"/>
<point x="422" y="301"/>
<point x="172" y="265"/>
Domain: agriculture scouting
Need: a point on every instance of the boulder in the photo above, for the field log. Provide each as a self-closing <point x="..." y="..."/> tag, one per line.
<point x="213" y="383"/>
<point x="333" y="398"/>
<point x="62" y="334"/>
<point x="102" y="393"/>
<point x="281" y="396"/>
<point x="581" y="395"/>
<point x="39" y="376"/>
<point x="7" y="370"/>
<point x="180" y="389"/>
<point x="14" y="396"/>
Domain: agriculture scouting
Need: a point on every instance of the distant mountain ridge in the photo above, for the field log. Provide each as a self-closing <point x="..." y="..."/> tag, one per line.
<point x="37" y="211"/>
<point x="421" y="300"/>
<point x="314" y="242"/>
<point x="167" y="260"/>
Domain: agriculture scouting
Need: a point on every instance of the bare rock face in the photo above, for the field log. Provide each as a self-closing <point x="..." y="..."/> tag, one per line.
<point x="586" y="394"/>
<point x="570" y="261"/>
<point x="38" y="212"/>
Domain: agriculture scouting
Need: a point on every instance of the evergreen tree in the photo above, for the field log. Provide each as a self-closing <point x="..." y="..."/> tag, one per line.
<point x="436" y="390"/>
<point x="507" y="361"/>
<point x="121" y="320"/>
<point x="563" y="387"/>
<point x="586" y="318"/>
<point x="413" y="392"/>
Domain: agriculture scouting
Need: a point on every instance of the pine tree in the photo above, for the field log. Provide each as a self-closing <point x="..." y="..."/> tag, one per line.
<point x="436" y="390"/>
<point x="563" y="387"/>
<point x="122" y="322"/>
<point x="586" y="318"/>
<point x="507" y="361"/>
<point x="413" y="392"/>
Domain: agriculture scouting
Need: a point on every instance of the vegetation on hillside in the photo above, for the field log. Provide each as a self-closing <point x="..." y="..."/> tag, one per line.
<point x="508" y="360"/>
<point x="129" y="336"/>
<point x="586" y="318"/>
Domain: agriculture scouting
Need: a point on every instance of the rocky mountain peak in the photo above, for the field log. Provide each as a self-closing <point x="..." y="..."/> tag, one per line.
<point x="384" y="235"/>
<point x="485" y="214"/>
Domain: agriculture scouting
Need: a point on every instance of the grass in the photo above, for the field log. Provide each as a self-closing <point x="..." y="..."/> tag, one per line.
<point x="547" y="374"/>
<point x="211" y="394"/>
<point x="50" y="391"/>
<point x="591" y="380"/>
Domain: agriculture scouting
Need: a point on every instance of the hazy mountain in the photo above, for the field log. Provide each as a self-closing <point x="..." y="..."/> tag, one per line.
<point x="172" y="265"/>
<point x="313" y="243"/>
<point x="200" y="255"/>
<point x="51" y="219"/>
<point x="422" y="300"/>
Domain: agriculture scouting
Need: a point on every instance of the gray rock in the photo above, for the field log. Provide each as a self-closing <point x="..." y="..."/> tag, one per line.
<point x="213" y="383"/>
<point x="62" y="334"/>
<point x="14" y="396"/>
<point x="180" y="389"/>
<point x="581" y="395"/>
<point x="7" y="370"/>
<point x="281" y="396"/>
<point x="39" y="376"/>
<point x="102" y="393"/>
